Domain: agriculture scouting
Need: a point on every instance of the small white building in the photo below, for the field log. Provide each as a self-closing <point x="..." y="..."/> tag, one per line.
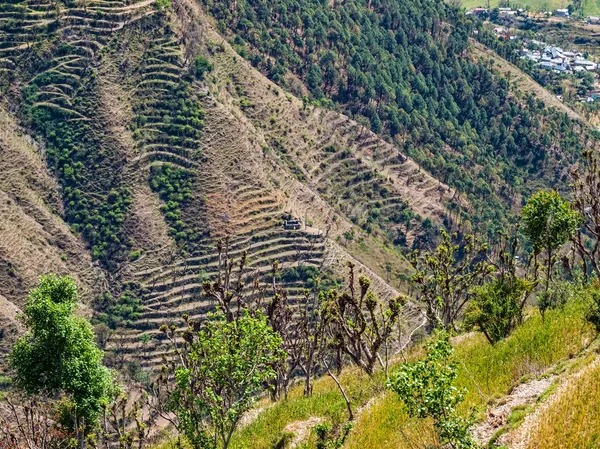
<point x="562" y="12"/>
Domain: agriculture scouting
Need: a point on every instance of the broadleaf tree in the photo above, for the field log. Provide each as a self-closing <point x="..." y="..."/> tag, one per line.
<point x="218" y="368"/>
<point x="549" y="221"/>
<point x="58" y="353"/>
<point x="428" y="391"/>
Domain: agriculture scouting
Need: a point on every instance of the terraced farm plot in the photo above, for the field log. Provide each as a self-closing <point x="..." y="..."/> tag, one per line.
<point x="156" y="164"/>
<point x="353" y="170"/>
<point x="176" y="289"/>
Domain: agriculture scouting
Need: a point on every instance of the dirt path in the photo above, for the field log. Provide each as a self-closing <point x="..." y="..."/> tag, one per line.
<point x="301" y="430"/>
<point x="521" y="437"/>
<point x="524" y="81"/>
<point x="524" y="394"/>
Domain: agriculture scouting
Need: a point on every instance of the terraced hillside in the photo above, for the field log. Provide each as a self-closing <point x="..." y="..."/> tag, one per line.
<point x="34" y="239"/>
<point x="155" y="163"/>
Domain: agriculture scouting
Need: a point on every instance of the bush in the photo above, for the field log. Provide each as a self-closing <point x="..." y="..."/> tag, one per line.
<point x="497" y="307"/>
<point x="174" y="186"/>
<point x="593" y="312"/>
<point x="557" y="295"/>
<point x="201" y="67"/>
<point x="329" y="438"/>
<point x="428" y="390"/>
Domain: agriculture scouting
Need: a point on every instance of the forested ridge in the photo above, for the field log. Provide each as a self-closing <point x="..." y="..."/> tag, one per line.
<point x="405" y="70"/>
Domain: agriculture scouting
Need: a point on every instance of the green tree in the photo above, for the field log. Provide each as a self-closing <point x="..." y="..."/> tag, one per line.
<point x="162" y="5"/>
<point x="549" y="222"/>
<point x="201" y="67"/>
<point x="428" y="391"/>
<point x="215" y="374"/>
<point x="58" y="353"/>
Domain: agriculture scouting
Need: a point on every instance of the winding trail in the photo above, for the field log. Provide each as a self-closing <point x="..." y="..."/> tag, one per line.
<point x="525" y="394"/>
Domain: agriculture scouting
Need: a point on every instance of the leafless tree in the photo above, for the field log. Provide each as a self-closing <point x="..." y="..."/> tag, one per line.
<point x="31" y="423"/>
<point x="586" y="200"/>
<point x="361" y="323"/>
<point x="125" y="422"/>
<point x="228" y="289"/>
<point x="444" y="282"/>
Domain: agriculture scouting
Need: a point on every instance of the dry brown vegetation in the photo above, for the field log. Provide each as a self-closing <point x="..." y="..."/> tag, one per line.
<point x="260" y="154"/>
<point x="33" y="238"/>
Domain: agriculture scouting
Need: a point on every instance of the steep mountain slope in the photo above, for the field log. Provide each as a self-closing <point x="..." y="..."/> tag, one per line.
<point x="155" y="165"/>
<point x="34" y="240"/>
<point x="407" y="70"/>
<point x="163" y="140"/>
<point x="527" y="389"/>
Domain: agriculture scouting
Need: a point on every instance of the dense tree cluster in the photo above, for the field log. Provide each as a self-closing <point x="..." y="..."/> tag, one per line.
<point x="173" y="185"/>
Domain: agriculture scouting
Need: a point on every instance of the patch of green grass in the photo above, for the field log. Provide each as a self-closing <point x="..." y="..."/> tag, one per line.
<point x="542" y="397"/>
<point x="492" y="371"/>
<point x="517" y="416"/>
<point x="326" y="402"/>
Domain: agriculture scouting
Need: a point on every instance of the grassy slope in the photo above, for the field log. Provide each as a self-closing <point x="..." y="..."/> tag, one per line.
<point x="487" y="371"/>
<point x="571" y="414"/>
<point x="537" y="345"/>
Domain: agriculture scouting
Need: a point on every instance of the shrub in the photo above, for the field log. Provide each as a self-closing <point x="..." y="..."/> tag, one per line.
<point x="593" y="312"/>
<point x="329" y="438"/>
<point x="556" y="296"/>
<point x="497" y="307"/>
<point x="428" y="391"/>
<point x="174" y="186"/>
<point x="201" y="67"/>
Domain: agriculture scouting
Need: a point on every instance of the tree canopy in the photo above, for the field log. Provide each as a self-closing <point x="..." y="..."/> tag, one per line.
<point x="58" y="354"/>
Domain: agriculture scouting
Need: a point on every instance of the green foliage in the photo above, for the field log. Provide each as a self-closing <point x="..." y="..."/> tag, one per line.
<point x="308" y="275"/>
<point x="162" y="5"/>
<point x="135" y="255"/>
<point x="444" y="278"/>
<point x="169" y="123"/>
<point x="532" y="348"/>
<point x="223" y="365"/>
<point x="58" y="354"/>
<point x="86" y="163"/>
<point x="327" y="439"/>
<point x="549" y="221"/>
<point x="401" y="66"/>
<point x="201" y="67"/>
<point x="497" y="306"/>
<point x="174" y="186"/>
<point x="121" y="311"/>
<point x="593" y="311"/>
<point x="558" y="293"/>
<point x="427" y="388"/>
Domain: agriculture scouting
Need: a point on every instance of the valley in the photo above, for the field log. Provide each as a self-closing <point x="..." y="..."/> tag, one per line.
<point x="324" y="194"/>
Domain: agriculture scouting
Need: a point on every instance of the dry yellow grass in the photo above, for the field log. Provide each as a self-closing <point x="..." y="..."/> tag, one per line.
<point x="571" y="418"/>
